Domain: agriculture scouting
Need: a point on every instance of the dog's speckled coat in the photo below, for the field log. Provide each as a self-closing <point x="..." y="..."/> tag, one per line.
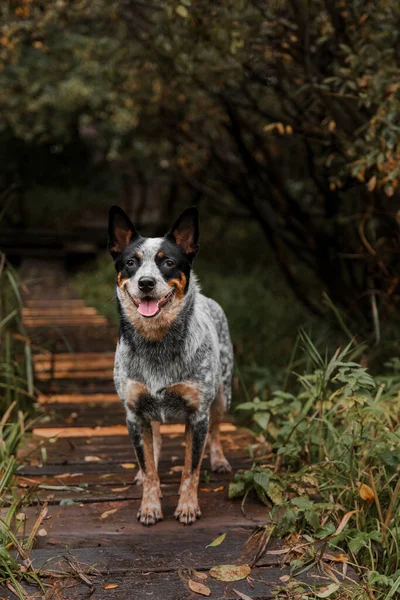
<point x="175" y="365"/>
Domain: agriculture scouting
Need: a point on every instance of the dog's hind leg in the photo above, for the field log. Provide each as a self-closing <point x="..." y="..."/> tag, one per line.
<point x="217" y="458"/>
<point x="155" y="425"/>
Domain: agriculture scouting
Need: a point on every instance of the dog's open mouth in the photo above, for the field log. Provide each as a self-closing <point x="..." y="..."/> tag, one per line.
<point x="150" y="307"/>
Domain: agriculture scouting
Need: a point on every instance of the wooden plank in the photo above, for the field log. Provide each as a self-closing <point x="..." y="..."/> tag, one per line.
<point x="162" y="553"/>
<point x="51" y="432"/>
<point x="79" y="399"/>
<point x="79" y="526"/>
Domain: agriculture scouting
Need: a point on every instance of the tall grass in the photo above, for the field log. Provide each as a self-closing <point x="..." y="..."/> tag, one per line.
<point x="17" y="394"/>
<point x="332" y="471"/>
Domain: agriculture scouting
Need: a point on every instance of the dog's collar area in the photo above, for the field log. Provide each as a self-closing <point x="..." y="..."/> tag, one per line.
<point x="150" y="307"/>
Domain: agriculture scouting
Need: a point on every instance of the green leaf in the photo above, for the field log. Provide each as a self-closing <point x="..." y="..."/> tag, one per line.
<point x="217" y="541"/>
<point x="236" y="489"/>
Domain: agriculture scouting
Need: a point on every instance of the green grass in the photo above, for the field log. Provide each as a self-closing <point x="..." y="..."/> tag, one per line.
<point x="17" y="394"/>
<point x="331" y="466"/>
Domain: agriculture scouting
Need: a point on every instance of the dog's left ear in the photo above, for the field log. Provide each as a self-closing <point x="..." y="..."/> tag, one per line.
<point x="185" y="232"/>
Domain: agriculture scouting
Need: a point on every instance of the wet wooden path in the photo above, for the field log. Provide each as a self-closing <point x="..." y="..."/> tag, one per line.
<point x="84" y="471"/>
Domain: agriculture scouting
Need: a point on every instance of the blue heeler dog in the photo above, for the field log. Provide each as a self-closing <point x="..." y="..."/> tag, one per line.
<point x="174" y="356"/>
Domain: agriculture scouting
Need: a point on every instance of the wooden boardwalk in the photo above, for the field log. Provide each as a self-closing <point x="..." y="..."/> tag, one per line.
<point x="85" y="467"/>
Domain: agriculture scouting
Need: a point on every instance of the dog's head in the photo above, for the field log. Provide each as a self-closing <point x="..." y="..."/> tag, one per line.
<point x="153" y="273"/>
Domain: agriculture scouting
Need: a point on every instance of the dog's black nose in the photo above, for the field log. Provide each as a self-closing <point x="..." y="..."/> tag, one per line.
<point x="146" y="284"/>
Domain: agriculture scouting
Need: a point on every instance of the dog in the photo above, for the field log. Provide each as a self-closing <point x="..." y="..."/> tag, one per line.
<point x="174" y="357"/>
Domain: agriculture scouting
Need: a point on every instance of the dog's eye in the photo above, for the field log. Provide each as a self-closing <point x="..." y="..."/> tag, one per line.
<point x="131" y="262"/>
<point x="169" y="263"/>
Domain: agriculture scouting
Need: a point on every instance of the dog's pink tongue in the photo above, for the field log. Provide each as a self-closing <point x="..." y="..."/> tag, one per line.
<point x="148" y="307"/>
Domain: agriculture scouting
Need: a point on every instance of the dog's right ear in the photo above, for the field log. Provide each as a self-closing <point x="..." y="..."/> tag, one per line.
<point x="120" y="231"/>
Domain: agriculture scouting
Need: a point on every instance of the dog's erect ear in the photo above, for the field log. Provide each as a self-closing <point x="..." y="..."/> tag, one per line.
<point x="185" y="232"/>
<point x="120" y="231"/>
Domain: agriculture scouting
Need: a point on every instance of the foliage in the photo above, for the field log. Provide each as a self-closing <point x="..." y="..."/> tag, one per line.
<point x="336" y="443"/>
<point x="288" y="109"/>
<point x="16" y="372"/>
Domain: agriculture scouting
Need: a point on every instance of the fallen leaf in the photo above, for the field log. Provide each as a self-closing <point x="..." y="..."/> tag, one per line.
<point x="128" y="465"/>
<point x="284" y="578"/>
<point x="121" y="489"/>
<point x="219" y="489"/>
<point x="230" y="572"/>
<point x="42" y="532"/>
<point x="327" y="591"/>
<point x="366" y="493"/>
<point x="109" y="586"/>
<point x="344" y="521"/>
<point x="21" y="516"/>
<point x="341" y="557"/>
<point x="217" y="541"/>
<point x="241" y="595"/>
<point x="199" y="588"/>
<point x="200" y="574"/>
<point x="92" y="459"/>
<point x="205" y="489"/>
<point x="176" y="469"/>
<point x="107" y="513"/>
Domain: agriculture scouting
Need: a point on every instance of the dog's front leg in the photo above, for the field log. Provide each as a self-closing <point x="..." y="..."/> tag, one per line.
<point x="142" y="438"/>
<point x="188" y="509"/>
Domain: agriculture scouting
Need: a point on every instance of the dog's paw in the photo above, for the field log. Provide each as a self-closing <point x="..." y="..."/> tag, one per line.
<point x="220" y="465"/>
<point x="187" y="512"/>
<point x="149" y="514"/>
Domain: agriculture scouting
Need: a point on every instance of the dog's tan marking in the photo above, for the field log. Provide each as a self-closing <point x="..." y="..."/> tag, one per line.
<point x="188" y="509"/>
<point x="154" y="329"/>
<point x="139" y="255"/>
<point x="121" y="281"/>
<point x="150" y="509"/>
<point x="160" y="254"/>
<point x="179" y="285"/>
<point x="189" y="392"/>
<point x="156" y="427"/>
<point x="133" y="391"/>
<point x="217" y="457"/>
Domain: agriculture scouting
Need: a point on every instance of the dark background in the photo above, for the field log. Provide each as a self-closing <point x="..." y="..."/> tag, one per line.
<point x="278" y="120"/>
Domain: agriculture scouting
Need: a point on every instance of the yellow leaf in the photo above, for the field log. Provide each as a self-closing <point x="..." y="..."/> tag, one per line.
<point x="289" y="129"/>
<point x="92" y="459"/>
<point x="107" y="513"/>
<point x="217" y="541"/>
<point x="344" y="521"/>
<point x="366" y="493"/>
<point x="121" y="489"/>
<point x="128" y="465"/>
<point x="182" y="11"/>
<point x="372" y="183"/>
<point x="331" y="126"/>
<point x="284" y="578"/>
<point x="199" y="588"/>
<point x="230" y="572"/>
<point x="281" y="128"/>
<point x="42" y="532"/>
<point x="109" y="586"/>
